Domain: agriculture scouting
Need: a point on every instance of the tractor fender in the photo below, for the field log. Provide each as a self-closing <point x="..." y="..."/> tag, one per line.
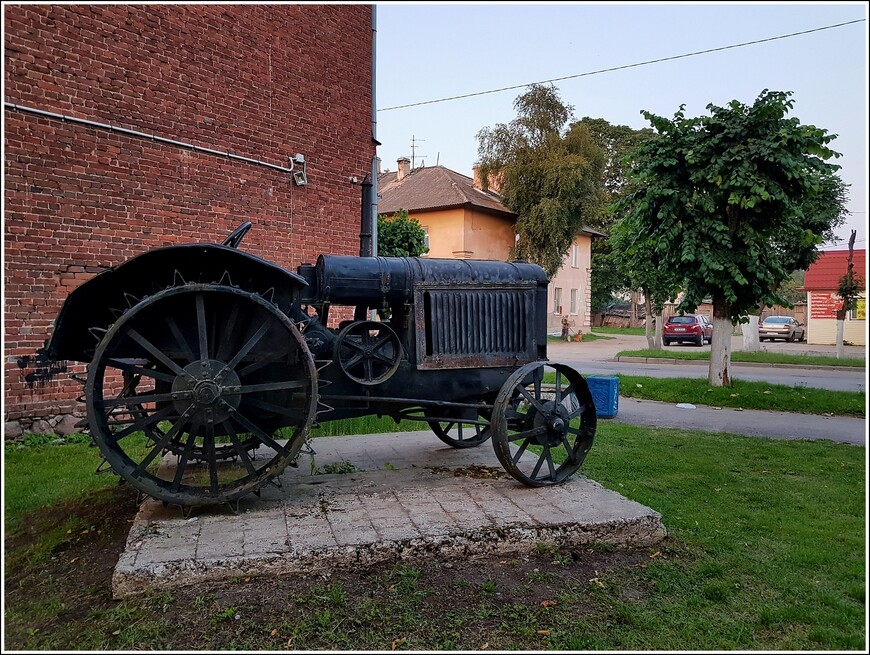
<point x="96" y="304"/>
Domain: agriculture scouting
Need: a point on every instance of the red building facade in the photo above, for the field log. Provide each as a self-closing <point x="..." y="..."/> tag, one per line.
<point x="261" y="82"/>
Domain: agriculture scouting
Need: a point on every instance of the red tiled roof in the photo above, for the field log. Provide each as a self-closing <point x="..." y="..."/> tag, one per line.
<point x="824" y="274"/>
<point x="435" y="187"/>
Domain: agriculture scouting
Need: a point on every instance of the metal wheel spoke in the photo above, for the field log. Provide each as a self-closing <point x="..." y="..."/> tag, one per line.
<point x="527" y="434"/>
<point x="520" y="451"/>
<point x="577" y="412"/>
<point x="269" y="386"/>
<point x="161" y="445"/>
<point x="201" y="328"/>
<point x="181" y="466"/>
<point x="151" y="348"/>
<point x="129" y="367"/>
<point x="180" y="340"/>
<point x="142" y="423"/>
<point x="367" y="365"/>
<point x="243" y="454"/>
<point x="275" y="409"/>
<point x="382" y="357"/>
<point x="568" y="447"/>
<point x="550" y="466"/>
<point x="537" y="468"/>
<point x="534" y="401"/>
<point x="258" y="432"/>
<point x="558" y="387"/>
<point x="350" y="341"/>
<point x="227" y="334"/>
<point x="253" y="341"/>
<point x="256" y="366"/>
<point x="144" y="398"/>
<point x="356" y="359"/>
<point x="211" y="457"/>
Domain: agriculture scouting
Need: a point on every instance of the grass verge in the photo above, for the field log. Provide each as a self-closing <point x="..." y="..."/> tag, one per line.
<point x="759" y="357"/>
<point x="636" y="332"/>
<point x="766" y="552"/>
<point x="746" y="394"/>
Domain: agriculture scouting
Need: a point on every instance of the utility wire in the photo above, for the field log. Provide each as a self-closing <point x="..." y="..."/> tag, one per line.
<point x="616" y="68"/>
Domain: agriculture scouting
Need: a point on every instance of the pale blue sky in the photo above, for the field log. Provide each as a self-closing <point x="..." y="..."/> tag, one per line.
<point x="436" y="50"/>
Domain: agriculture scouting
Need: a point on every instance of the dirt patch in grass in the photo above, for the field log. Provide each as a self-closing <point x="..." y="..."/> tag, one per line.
<point x="61" y="597"/>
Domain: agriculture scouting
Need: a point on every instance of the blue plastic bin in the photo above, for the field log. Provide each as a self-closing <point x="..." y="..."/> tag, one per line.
<point x="605" y="393"/>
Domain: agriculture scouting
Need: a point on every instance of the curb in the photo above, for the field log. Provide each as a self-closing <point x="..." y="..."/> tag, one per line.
<point x="668" y="360"/>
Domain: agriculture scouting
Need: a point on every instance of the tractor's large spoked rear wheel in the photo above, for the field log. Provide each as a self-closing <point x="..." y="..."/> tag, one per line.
<point x="543" y="423"/>
<point x="213" y="374"/>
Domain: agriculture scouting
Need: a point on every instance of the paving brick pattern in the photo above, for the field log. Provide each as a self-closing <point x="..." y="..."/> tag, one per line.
<point x="410" y="496"/>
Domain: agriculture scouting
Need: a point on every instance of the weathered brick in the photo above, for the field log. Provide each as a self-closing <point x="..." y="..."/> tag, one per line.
<point x="261" y="81"/>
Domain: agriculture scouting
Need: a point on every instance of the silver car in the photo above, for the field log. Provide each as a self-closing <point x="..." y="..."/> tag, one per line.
<point x="786" y="328"/>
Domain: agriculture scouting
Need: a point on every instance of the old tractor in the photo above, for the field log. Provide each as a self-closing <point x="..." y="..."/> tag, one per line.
<point x="225" y="361"/>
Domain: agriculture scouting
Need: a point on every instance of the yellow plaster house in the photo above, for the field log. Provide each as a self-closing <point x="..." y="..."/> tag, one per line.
<point x="464" y="221"/>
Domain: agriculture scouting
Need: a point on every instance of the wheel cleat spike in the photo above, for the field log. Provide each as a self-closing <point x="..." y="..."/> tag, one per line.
<point x="98" y="332"/>
<point x="78" y="379"/>
<point x="131" y="299"/>
<point x="116" y="313"/>
<point x="141" y="497"/>
<point x="104" y="467"/>
<point x="178" y="279"/>
<point x="276" y="482"/>
<point x="186" y="511"/>
<point x="257" y="493"/>
<point x="226" y="280"/>
<point x="234" y="506"/>
<point x="269" y="295"/>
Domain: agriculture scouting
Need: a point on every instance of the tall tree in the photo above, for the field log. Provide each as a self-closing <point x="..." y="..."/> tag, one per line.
<point x="550" y="176"/>
<point x="718" y="199"/>
<point x="617" y="141"/>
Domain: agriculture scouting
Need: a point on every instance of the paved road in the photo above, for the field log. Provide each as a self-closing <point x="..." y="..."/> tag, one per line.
<point x="597" y="358"/>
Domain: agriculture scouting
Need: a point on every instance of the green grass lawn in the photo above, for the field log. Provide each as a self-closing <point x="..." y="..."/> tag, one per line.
<point x="766" y="551"/>
<point x="746" y="394"/>
<point x="741" y="356"/>
<point x="637" y="332"/>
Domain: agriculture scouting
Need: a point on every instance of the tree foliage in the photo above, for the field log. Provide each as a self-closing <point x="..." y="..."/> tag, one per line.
<point x="550" y="176"/>
<point x="399" y="235"/>
<point x="723" y="200"/>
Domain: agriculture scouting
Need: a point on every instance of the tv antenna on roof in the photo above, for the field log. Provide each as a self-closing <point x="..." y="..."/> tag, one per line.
<point x="414" y="147"/>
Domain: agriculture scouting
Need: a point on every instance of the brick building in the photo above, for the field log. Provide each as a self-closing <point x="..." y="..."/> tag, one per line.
<point x="261" y="82"/>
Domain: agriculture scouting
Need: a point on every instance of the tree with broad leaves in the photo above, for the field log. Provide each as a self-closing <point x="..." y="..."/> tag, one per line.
<point x="550" y="176"/>
<point x="400" y="235"/>
<point x="718" y="198"/>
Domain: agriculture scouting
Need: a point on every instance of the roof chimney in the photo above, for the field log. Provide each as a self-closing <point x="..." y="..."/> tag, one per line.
<point x="404" y="167"/>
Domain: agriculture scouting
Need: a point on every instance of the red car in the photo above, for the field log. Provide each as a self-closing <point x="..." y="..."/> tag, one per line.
<point x="694" y="328"/>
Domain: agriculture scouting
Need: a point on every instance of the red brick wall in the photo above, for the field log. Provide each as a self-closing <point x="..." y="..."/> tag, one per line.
<point x="260" y="81"/>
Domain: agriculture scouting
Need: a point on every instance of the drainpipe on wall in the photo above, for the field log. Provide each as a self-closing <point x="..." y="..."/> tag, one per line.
<point x="374" y="172"/>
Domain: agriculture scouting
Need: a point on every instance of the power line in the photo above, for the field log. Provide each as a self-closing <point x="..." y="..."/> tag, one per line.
<point x="616" y="68"/>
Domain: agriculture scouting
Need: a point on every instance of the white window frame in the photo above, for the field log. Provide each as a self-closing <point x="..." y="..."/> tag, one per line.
<point x="557" y="301"/>
<point x="425" y="240"/>
<point x="575" y="256"/>
<point x="573" y="306"/>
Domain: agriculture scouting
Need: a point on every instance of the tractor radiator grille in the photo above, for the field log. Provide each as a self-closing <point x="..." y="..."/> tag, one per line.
<point x="477" y="328"/>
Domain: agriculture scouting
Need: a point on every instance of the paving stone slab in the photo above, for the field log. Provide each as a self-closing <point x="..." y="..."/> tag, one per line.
<point x="409" y="496"/>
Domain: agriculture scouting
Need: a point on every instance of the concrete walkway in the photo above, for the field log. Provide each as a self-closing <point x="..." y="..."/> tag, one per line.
<point x="409" y="497"/>
<point x="749" y="422"/>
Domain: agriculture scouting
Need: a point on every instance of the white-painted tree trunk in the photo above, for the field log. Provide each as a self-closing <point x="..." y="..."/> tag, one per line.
<point x="659" y="328"/>
<point x="720" y="353"/>
<point x="647" y="324"/>
<point x="841" y="349"/>
<point x="751" y="343"/>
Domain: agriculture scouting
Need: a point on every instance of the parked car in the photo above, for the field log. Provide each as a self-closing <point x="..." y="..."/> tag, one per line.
<point x="693" y="328"/>
<point x="786" y="328"/>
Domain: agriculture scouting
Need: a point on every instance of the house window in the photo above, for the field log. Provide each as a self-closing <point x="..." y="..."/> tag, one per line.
<point x="425" y="241"/>
<point x="557" y="300"/>
<point x="859" y="313"/>
<point x="573" y="301"/>
<point x="574" y="256"/>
